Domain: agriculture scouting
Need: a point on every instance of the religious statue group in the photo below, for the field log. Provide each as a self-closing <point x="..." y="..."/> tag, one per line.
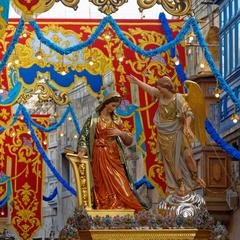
<point x="104" y="137"/>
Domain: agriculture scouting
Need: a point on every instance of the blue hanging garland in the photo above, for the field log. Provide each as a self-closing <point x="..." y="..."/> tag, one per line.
<point x="11" y="46"/>
<point x="220" y="142"/>
<point x="142" y="181"/>
<point x="51" y="196"/>
<point x="5" y="200"/>
<point x="222" y="82"/>
<point x="19" y="109"/>
<point x="122" y="37"/>
<point x="75" y="120"/>
<point x="75" y="48"/>
<point x="44" y="155"/>
<point x="168" y="32"/>
<point x="53" y="127"/>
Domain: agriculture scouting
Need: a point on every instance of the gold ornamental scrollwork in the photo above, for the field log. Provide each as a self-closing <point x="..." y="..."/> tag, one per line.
<point x="108" y="6"/>
<point x="47" y="93"/>
<point x="70" y="3"/>
<point x="173" y="7"/>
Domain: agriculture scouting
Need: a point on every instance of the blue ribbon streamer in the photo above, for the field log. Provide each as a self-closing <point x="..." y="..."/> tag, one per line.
<point x="51" y="196"/>
<point x="222" y="82"/>
<point x="168" y="32"/>
<point x="75" y="121"/>
<point x="11" y="46"/>
<point x="53" y="127"/>
<point x="220" y="142"/>
<point x="4" y="201"/>
<point x="75" y="48"/>
<point x="14" y="119"/>
<point x="60" y="122"/>
<point x="142" y="181"/>
<point x="27" y="120"/>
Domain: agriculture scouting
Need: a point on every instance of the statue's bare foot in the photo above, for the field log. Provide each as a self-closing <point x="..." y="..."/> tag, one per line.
<point x="181" y="191"/>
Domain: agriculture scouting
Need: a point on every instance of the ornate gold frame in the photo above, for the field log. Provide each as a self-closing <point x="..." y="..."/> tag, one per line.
<point x="109" y="6"/>
<point x="173" y="7"/>
<point x="70" y="3"/>
<point x="81" y="173"/>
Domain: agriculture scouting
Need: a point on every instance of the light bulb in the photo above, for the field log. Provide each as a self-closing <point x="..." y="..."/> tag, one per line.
<point x="45" y="142"/>
<point x="1" y="90"/>
<point x="107" y="35"/>
<point x="147" y="72"/>
<point x="63" y="73"/>
<point x="234" y="118"/>
<point x="75" y="136"/>
<point x="70" y="118"/>
<point x="61" y="134"/>
<point x="62" y="70"/>
<point x="2" y="213"/>
<point x="191" y="39"/>
<point x="176" y="61"/>
<point x="120" y="58"/>
<point x="202" y="65"/>
<point x="16" y="61"/>
<point x="217" y="92"/>
<point x="39" y="54"/>
<point x="24" y="34"/>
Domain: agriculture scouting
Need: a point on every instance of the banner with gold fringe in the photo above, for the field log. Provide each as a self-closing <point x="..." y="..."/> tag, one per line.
<point x="26" y="175"/>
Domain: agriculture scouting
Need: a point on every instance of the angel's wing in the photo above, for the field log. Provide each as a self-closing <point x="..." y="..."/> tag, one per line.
<point x="195" y="99"/>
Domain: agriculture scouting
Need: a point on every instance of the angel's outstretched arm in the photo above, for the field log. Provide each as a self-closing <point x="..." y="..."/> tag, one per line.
<point x="149" y="89"/>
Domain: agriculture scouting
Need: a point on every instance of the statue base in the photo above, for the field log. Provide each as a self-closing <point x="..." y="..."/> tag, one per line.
<point x="186" y="206"/>
<point x="110" y="212"/>
<point x="148" y="234"/>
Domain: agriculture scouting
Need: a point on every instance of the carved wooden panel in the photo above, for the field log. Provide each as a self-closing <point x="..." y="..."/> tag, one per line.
<point x="217" y="172"/>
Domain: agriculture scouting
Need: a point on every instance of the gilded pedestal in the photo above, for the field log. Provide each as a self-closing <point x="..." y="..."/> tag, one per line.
<point x="146" y="234"/>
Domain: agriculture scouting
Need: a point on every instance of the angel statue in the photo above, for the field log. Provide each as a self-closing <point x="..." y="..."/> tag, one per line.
<point x="173" y="119"/>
